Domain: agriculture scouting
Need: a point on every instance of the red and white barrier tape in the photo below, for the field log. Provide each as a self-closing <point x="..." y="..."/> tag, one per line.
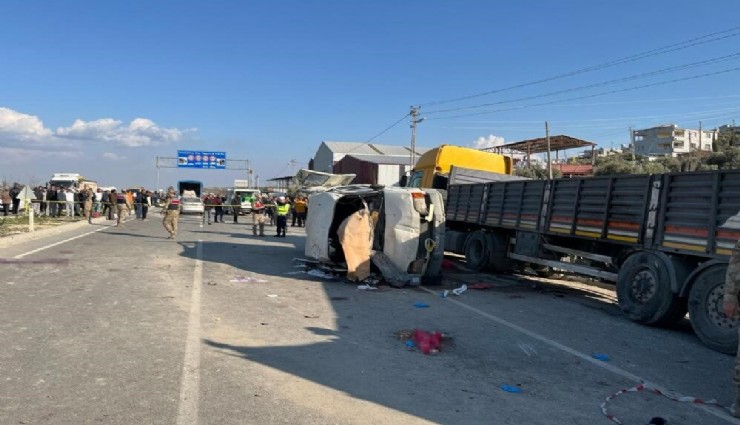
<point x="651" y="388"/>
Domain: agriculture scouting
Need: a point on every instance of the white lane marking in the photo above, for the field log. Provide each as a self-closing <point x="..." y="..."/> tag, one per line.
<point x="585" y="357"/>
<point x="187" y="411"/>
<point x="58" y="243"/>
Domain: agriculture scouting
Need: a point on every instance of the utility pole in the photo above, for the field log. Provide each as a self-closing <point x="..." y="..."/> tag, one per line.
<point x="292" y="164"/>
<point x="414" y="120"/>
<point x="549" y="161"/>
<point x="632" y="145"/>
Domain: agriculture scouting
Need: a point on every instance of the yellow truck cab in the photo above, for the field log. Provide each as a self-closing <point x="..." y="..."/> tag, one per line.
<point x="433" y="167"/>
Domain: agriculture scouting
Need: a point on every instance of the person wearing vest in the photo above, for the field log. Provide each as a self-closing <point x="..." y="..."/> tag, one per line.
<point x="301" y="207"/>
<point x="171" y="211"/>
<point x="282" y="209"/>
<point x="121" y="206"/>
<point x="258" y="216"/>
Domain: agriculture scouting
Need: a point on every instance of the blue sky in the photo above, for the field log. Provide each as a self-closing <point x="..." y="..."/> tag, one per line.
<point x="104" y="87"/>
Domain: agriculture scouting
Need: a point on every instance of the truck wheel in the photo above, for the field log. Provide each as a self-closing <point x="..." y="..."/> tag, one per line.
<point x="476" y="251"/>
<point x="716" y="330"/>
<point x="644" y="291"/>
<point x="497" y="250"/>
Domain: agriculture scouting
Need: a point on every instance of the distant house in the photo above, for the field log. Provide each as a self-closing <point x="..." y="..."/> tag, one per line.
<point x="671" y="140"/>
<point x="373" y="169"/>
<point x="329" y="153"/>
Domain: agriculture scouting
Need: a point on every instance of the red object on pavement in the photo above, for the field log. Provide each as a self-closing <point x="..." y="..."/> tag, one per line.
<point x="480" y="286"/>
<point x="447" y="264"/>
<point x="427" y="342"/>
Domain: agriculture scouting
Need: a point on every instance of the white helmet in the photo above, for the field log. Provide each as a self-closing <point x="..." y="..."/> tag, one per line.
<point x="281" y="198"/>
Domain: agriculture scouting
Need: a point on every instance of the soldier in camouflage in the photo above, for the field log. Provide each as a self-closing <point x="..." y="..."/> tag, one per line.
<point x="729" y="306"/>
<point x="171" y="211"/>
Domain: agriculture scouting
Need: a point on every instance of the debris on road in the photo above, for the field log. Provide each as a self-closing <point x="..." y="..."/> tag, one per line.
<point x="247" y="279"/>
<point x="367" y="288"/>
<point x="311" y="316"/>
<point x="421" y="305"/>
<point x="427" y="342"/>
<point x="272" y="295"/>
<point x="670" y="395"/>
<point x="599" y="356"/>
<point x="321" y="274"/>
<point x="456" y="291"/>
<point x="481" y="286"/>
<point x="511" y="389"/>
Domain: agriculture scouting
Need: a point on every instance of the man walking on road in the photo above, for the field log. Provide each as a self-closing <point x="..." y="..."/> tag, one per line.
<point x="87" y="196"/>
<point x="122" y="205"/>
<point x="258" y="216"/>
<point x="729" y="307"/>
<point x="171" y="211"/>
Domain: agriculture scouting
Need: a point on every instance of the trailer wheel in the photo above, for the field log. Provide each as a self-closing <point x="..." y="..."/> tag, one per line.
<point x="497" y="250"/>
<point x="716" y="330"/>
<point x="644" y="291"/>
<point x="476" y="251"/>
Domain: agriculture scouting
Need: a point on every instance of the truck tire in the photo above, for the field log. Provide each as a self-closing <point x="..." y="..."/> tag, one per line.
<point x="711" y="325"/>
<point x="497" y="250"/>
<point x="477" y="251"/>
<point x="644" y="291"/>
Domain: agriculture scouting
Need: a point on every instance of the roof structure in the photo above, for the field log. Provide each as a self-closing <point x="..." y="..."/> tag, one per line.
<point x="539" y="145"/>
<point x="384" y="159"/>
<point x="360" y="148"/>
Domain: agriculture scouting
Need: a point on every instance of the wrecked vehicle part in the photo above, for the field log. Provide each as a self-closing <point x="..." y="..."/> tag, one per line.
<point x="408" y="226"/>
<point x="356" y="239"/>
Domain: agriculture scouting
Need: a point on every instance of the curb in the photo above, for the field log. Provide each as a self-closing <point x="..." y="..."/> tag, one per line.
<point x="7" y="241"/>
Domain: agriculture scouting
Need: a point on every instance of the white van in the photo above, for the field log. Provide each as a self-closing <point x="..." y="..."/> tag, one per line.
<point x="410" y="228"/>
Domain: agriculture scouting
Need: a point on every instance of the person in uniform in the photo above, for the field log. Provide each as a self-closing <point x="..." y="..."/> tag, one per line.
<point x="121" y="203"/>
<point x="282" y="208"/>
<point x="87" y="197"/>
<point x="258" y="216"/>
<point x="171" y="211"/>
<point x="729" y="307"/>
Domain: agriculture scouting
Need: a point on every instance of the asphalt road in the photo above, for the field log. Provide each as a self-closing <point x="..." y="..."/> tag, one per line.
<point x="106" y="325"/>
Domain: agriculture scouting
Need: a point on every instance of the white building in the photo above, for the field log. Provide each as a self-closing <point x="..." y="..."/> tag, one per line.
<point x="670" y="140"/>
<point x="329" y="153"/>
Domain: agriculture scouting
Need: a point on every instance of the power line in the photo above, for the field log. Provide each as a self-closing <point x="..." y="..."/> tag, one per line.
<point x="632" y="58"/>
<point x="600" y="84"/>
<point x="366" y="142"/>
<point x="693" y="77"/>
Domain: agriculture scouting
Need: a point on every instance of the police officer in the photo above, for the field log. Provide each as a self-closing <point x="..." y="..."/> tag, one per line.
<point x="729" y="307"/>
<point x="171" y="211"/>
<point x="282" y="209"/>
<point x="258" y="216"/>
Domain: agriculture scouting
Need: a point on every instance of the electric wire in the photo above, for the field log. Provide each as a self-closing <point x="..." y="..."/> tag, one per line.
<point x="735" y="31"/>
<point x="600" y="84"/>
<point x="659" y="83"/>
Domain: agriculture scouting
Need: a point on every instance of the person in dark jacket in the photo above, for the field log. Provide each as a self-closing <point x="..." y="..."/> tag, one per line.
<point x="14" y="192"/>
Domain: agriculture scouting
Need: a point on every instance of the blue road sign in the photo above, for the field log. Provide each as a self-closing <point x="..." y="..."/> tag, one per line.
<point x="201" y="159"/>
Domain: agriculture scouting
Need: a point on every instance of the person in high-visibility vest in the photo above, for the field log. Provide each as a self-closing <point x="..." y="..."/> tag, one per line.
<point x="281" y="210"/>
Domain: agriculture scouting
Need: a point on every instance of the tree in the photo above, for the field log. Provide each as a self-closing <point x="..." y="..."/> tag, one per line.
<point x="536" y="170"/>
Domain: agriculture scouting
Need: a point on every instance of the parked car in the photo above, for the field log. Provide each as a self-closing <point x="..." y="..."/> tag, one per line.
<point x="191" y="205"/>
